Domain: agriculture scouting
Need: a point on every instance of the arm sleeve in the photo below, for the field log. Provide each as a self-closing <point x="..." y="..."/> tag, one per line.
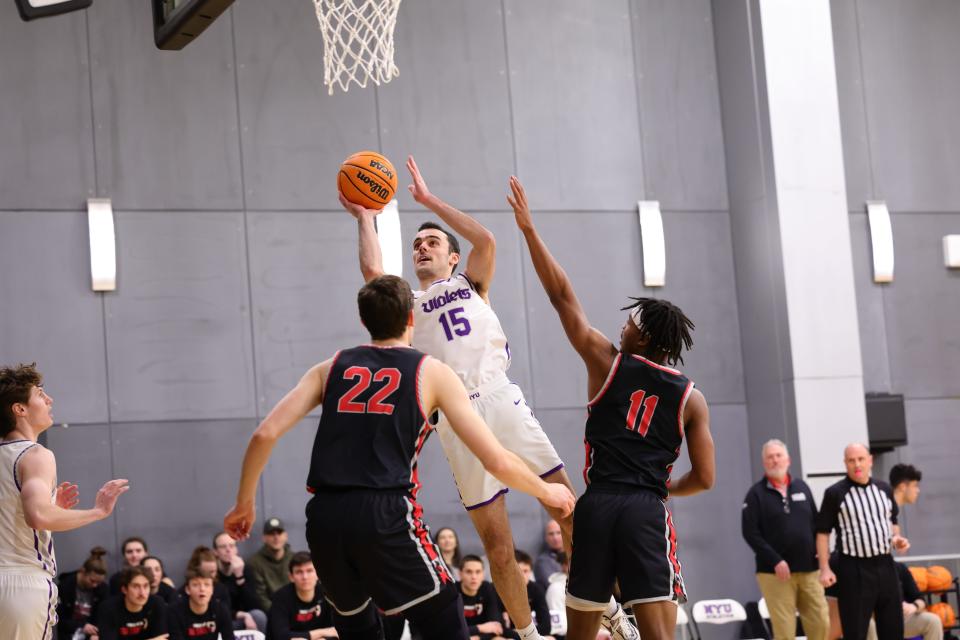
<point x="224" y="623"/>
<point x="539" y="606"/>
<point x="829" y="510"/>
<point x="750" y="527"/>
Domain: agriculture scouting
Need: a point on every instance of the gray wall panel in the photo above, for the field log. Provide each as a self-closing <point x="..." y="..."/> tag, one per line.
<point x="910" y="50"/>
<point x="45" y="125"/>
<point x="679" y="104"/>
<point x="196" y="465"/>
<point x="450" y="106"/>
<point x="179" y="340"/>
<point x="166" y="123"/>
<point x="922" y="306"/>
<point x="574" y="100"/>
<point x="83" y="457"/>
<point x="870" y="310"/>
<point x="284" y="483"/>
<point x="304" y="280"/>
<point x="294" y="135"/>
<point x="52" y="316"/>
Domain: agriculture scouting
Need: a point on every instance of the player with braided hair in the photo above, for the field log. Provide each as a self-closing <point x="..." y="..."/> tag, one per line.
<point x="639" y="413"/>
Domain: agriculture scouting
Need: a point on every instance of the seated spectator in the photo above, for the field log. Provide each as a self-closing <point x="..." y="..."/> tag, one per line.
<point x="156" y="573"/>
<point x="237" y="579"/>
<point x="81" y="592"/>
<point x="134" y="613"/>
<point x="547" y="563"/>
<point x="449" y="545"/>
<point x="557" y="598"/>
<point x="299" y="609"/>
<point x="481" y="606"/>
<point x="270" y="563"/>
<point x="916" y="621"/>
<point x="199" y="616"/>
<point x="134" y="550"/>
<point x="204" y="561"/>
<point x="536" y="598"/>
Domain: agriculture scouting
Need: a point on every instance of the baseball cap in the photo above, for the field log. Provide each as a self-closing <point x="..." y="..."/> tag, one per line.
<point x="273" y="524"/>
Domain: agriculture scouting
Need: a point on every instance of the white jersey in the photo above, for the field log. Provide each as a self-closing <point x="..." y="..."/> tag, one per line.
<point x="454" y="325"/>
<point x="23" y="550"/>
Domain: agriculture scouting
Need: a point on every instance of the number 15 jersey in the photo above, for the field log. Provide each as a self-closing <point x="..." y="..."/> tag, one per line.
<point x="456" y="326"/>
<point x="635" y="426"/>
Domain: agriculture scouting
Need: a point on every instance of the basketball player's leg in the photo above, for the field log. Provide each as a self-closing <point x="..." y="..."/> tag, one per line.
<point x="582" y="625"/>
<point x="566" y="523"/>
<point x="593" y="564"/>
<point x="27" y="607"/>
<point x="656" y="620"/>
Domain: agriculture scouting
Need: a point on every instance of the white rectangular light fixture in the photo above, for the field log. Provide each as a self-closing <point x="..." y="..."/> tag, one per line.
<point x="881" y="240"/>
<point x="951" y="251"/>
<point x="391" y="244"/>
<point x="103" y="247"/>
<point x="654" y="249"/>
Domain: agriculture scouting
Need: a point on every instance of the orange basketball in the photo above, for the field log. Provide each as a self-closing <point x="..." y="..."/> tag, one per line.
<point x="938" y="578"/>
<point x="368" y="179"/>
<point x="920" y="577"/>
<point x="945" y="612"/>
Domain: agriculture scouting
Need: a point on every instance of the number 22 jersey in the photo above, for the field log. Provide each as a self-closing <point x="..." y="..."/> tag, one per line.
<point x="635" y="426"/>
<point x="456" y="326"/>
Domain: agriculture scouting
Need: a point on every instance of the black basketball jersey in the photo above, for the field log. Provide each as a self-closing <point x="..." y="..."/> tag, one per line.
<point x="372" y="427"/>
<point x="635" y="426"/>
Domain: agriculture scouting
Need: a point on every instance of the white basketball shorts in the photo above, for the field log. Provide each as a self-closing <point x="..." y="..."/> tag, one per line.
<point x="28" y="607"/>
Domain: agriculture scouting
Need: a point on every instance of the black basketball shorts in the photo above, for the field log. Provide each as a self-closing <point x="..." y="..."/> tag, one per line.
<point x="373" y="544"/>
<point x="628" y="537"/>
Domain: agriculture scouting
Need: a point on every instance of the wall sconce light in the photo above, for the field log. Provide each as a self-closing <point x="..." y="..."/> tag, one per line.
<point x="951" y="251"/>
<point x="103" y="246"/>
<point x="654" y="249"/>
<point x="881" y="239"/>
<point x="391" y="244"/>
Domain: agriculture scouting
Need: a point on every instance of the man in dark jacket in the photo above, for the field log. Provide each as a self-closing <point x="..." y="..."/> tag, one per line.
<point x="779" y="524"/>
<point x="237" y="577"/>
<point x="270" y="564"/>
<point x="81" y="593"/>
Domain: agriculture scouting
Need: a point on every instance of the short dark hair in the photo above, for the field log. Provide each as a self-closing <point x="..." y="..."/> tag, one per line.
<point x="15" y="385"/>
<point x="123" y="547"/>
<point x="129" y="573"/>
<point x="451" y="239"/>
<point x="901" y="473"/>
<point x="385" y="304"/>
<point x="522" y="557"/>
<point x="666" y="325"/>
<point x="470" y="558"/>
<point x="196" y="574"/>
<point x="299" y="559"/>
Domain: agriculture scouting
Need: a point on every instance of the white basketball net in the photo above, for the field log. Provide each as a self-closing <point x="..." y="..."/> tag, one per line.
<point x="357" y="41"/>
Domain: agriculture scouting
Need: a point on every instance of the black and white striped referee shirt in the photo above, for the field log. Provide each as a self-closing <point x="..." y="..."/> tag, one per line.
<point x="863" y="516"/>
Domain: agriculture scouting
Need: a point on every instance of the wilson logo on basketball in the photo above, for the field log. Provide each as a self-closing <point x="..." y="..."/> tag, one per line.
<point x="384" y="169"/>
<point x="376" y="189"/>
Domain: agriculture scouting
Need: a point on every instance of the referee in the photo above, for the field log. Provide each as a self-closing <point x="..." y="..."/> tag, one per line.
<point x="864" y="515"/>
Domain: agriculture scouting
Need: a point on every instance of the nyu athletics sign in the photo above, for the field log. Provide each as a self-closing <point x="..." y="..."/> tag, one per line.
<point x="718" y="611"/>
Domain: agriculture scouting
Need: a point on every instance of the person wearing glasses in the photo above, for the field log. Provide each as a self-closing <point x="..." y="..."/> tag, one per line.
<point x="779" y="523"/>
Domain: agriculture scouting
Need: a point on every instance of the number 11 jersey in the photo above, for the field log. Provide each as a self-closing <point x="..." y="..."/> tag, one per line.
<point x="456" y="326"/>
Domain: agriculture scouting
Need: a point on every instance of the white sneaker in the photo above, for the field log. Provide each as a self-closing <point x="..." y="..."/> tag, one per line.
<point x="619" y="625"/>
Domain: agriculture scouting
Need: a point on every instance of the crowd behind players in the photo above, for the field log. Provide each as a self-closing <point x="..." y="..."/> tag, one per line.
<point x="276" y="592"/>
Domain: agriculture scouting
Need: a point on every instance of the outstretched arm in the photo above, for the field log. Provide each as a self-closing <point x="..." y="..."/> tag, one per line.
<point x="371" y="260"/>
<point x="443" y="390"/>
<point x="595" y="349"/>
<point x="38" y="472"/>
<point x="702" y="472"/>
<point x="289" y="411"/>
<point x="481" y="263"/>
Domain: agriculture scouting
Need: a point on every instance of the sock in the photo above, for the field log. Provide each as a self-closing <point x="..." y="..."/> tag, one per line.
<point x="612" y="607"/>
<point x="529" y="633"/>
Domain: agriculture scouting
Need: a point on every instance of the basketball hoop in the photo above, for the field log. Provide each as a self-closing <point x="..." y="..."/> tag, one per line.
<point x="357" y="41"/>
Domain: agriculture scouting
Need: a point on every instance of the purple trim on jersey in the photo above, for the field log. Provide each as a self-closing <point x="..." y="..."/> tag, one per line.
<point x="46" y="624"/>
<point x="16" y="481"/>
<point x="469" y="281"/>
<point x="3" y="444"/>
<point x="552" y="471"/>
<point x="486" y="502"/>
<point x="50" y="553"/>
<point x="36" y="547"/>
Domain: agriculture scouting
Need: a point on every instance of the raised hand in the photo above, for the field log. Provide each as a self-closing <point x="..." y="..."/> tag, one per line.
<point x="68" y="495"/>
<point x="107" y="497"/>
<point x="239" y="520"/>
<point x="521" y="210"/>
<point x="418" y="189"/>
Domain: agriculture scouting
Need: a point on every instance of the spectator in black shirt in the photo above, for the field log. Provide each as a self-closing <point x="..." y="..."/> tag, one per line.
<point x="481" y="606"/>
<point x="778" y="521"/>
<point x="204" y="561"/>
<point x="198" y="616"/>
<point x="81" y="592"/>
<point x="237" y="578"/>
<point x="154" y="568"/>
<point x="134" y="550"/>
<point x="298" y="609"/>
<point x="134" y="614"/>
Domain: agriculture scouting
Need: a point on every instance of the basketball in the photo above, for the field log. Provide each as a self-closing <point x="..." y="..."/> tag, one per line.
<point x="945" y="612"/>
<point x="938" y="578"/>
<point x="368" y="179"/>
<point x="920" y="577"/>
